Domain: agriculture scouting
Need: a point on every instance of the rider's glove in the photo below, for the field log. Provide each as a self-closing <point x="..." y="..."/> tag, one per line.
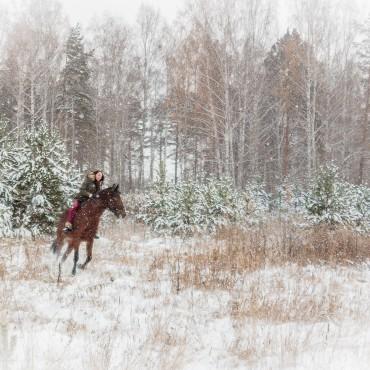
<point x="91" y="194"/>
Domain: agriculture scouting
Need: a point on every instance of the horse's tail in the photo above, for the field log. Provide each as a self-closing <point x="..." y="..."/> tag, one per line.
<point x="54" y="246"/>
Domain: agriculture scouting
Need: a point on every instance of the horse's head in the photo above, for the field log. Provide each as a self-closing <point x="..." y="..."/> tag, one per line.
<point x="113" y="201"/>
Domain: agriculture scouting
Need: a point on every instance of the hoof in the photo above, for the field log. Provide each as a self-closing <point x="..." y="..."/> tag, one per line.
<point x="73" y="272"/>
<point x="81" y="266"/>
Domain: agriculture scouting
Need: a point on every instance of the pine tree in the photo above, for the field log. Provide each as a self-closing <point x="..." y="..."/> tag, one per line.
<point x="188" y="207"/>
<point x="326" y="201"/>
<point x="184" y="218"/>
<point x="158" y="206"/>
<point x="220" y="203"/>
<point x="333" y="201"/>
<point x="75" y="103"/>
<point x="43" y="181"/>
<point x="9" y="159"/>
<point x="256" y="201"/>
<point x="360" y="204"/>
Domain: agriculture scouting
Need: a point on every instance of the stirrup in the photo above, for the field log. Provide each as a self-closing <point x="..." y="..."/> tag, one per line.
<point x="67" y="229"/>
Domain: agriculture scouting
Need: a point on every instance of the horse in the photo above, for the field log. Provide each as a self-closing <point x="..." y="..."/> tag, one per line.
<point x="85" y="225"/>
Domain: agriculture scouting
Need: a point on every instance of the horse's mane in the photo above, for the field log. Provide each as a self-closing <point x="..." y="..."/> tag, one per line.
<point x="103" y="192"/>
<point x="111" y="189"/>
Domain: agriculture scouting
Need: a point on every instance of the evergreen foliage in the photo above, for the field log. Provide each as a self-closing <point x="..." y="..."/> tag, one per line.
<point x="334" y="201"/>
<point x="37" y="182"/>
<point x="218" y="204"/>
<point x="188" y="207"/>
<point x="256" y="200"/>
<point x="75" y="101"/>
<point x="288" y="199"/>
<point x="158" y="205"/>
<point x="324" y="202"/>
<point x="9" y="159"/>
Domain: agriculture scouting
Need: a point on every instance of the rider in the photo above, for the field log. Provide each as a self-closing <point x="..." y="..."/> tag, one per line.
<point x="93" y="183"/>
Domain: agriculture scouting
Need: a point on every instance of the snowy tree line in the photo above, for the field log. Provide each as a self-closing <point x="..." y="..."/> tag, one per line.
<point x="218" y="93"/>
<point x="189" y="207"/>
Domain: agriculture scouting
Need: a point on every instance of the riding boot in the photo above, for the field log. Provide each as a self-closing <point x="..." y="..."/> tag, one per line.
<point x="68" y="227"/>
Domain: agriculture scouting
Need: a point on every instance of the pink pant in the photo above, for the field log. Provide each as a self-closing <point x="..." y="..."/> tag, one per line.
<point x="71" y="213"/>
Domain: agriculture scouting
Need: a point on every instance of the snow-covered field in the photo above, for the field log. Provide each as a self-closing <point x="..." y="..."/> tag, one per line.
<point x="133" y="308"/>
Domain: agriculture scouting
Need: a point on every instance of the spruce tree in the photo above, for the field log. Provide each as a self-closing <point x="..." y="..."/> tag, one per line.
<point x="9" y="159"/>
<point x="43" y="181"/>
<point x="333" y="201"/>
<point x="256" y="200"/>
<point x="75" y="104"/>
<point x="158" y="206"/>
<point x="328" y="200"/>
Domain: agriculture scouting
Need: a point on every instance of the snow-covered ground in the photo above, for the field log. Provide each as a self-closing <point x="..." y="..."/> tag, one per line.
<point x="126" y="311"/>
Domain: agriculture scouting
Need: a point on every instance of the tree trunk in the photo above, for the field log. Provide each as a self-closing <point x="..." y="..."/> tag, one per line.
<point x="365" y="129"/>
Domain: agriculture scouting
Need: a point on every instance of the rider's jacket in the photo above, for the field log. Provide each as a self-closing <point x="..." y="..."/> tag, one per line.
<point x="87" y="188"/>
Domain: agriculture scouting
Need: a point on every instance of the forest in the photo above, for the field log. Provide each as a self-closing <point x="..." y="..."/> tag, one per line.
<point x="221" y="92"/>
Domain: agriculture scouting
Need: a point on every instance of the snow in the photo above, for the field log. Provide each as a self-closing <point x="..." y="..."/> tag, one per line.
<point x="122" y="314"/>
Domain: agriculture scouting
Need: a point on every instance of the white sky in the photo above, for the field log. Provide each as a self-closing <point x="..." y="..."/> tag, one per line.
<point x="83" y="10"/>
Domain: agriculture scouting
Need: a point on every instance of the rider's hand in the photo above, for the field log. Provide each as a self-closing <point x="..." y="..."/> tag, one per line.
<point x="91" y="195"/>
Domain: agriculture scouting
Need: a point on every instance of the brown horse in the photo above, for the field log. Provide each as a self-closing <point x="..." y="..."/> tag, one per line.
<point x="85" y="224"/>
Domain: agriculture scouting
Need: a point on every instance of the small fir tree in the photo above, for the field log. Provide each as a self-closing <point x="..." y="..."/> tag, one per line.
<point x="10" y="158"/>
<point x="43" y="182"/>
<point x="256" y="201"/>
<point x="184" y="217"/>
<point x="158" y="204"/>
<point x="326" y="201"/>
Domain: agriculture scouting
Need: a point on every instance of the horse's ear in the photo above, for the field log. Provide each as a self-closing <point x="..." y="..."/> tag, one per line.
<point x="115" y="187"/>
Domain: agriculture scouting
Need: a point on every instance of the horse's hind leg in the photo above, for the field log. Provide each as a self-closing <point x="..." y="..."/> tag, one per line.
<point x="65" y="255"/>
<point x="89" y="245"/>
<point x="56" y="247"/>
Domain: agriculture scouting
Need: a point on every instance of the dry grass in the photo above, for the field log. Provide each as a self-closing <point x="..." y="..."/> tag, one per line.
<point x="254" y="343"/>
<point x="276" y="243"/>
<point x="289" y="304"/>
<point x="27" y="255"/>
<point x="2" y="270"/>
<point x="234" y="260"/>
<point x="118" y="229"/>
<point x="33" y="268"/>
<point x="219" y="263"/>
<point x="169" y="345"/>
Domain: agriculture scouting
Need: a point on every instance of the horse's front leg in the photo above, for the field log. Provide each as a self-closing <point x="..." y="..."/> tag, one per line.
<point x="75" y="260"/>
<point x="89" y="245"/>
